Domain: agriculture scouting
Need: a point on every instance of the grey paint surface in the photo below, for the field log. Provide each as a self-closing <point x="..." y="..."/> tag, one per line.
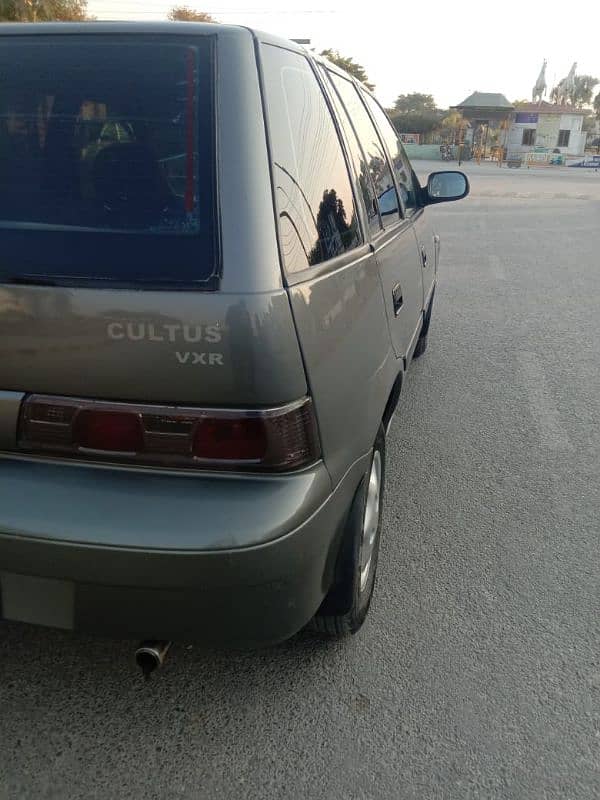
<point x="400" y="270"/>
<point x="341" y="320"/>
<point x="161" y="584"/>
<point x="159" y="511"/>
<point x="476" y="675"/>
<point x="132" y="345"/>
<point x="250" y="253"/>
<point x="424" y="234"/>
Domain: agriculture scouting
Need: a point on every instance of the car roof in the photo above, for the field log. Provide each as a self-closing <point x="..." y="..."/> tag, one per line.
<point x="142" y="27"/>
<point x="139" y="27"/>
<point x="107" y="26"/>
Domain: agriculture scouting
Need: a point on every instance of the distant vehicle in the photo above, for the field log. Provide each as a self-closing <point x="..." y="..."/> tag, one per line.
<point x="514" y="160"/>
<point x="216" y="268"/>
<point x="588" y="162"/>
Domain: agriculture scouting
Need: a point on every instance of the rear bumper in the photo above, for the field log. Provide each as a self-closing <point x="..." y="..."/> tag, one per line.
<point x="123" y="553"/>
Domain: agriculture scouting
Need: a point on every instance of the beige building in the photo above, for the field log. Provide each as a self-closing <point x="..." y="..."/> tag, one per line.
<point x="537" y="126"/>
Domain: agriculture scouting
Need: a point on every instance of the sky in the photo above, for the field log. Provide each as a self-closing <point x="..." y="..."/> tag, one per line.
<point x="445" y="49"/>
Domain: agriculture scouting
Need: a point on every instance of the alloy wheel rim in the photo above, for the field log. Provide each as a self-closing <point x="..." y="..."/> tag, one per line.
<point x="370" y="521"/>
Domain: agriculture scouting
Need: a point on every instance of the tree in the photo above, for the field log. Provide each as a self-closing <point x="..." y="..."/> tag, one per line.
<point x="596" y="127"/>
<point x="187" y="14"/>
<point x="455" y="126"/>
<point x="43" y="10"/>
<point x="581" y="94"/>
<point x="415" y="113"/>
<point x="349" y="65"/>
<point x="414" y="103"/>
<point x="584" y="89"/>
<point x="589" y="123"/>
<point x="417" y="123"/>
<point x="453" y="120"/>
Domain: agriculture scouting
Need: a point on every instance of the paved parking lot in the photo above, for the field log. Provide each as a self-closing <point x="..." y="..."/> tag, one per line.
<point x="478" y="673"/>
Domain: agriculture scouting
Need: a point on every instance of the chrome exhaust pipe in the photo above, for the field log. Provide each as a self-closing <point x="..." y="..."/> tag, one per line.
<point x="151" y="655"/>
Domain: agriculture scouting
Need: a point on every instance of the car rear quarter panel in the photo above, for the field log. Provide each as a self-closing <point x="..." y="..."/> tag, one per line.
<point x="248" y="236"/>
<point x="351" y="367"/>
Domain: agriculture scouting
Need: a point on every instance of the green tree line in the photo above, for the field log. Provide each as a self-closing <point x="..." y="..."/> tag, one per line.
<point x="43" y="10"/>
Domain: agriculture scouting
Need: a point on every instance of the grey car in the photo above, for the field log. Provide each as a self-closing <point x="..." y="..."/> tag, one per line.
<point x="205" y="325"/>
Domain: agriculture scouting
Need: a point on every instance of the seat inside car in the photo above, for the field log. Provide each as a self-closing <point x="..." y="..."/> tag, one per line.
<point x="128" y="182"/>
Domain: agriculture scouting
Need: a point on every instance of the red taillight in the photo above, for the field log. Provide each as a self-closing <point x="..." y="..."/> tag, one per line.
<point x="115" y="431"/>
<point x="276" y="439"/>
<point x="230" y="439"/>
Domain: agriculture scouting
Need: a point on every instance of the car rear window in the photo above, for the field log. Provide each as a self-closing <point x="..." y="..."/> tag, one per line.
<point x="107" y="159"/>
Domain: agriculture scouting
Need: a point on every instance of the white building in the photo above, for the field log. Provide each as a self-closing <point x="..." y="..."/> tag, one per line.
<point x="545" y="126"/>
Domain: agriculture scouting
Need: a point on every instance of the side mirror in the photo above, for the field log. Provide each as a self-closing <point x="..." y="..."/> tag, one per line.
<point x="442" y="187"/>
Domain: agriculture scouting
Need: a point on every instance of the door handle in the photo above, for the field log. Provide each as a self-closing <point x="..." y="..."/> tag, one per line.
<point x="423" y="255"/>
<point x="397" y="298"/>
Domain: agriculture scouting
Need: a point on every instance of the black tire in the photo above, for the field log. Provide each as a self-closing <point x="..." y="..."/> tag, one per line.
<point x="347" y="603"/>
<point x="423" y="338"/>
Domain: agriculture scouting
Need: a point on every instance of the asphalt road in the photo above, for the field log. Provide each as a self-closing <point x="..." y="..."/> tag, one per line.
<point x="478" y="672"/>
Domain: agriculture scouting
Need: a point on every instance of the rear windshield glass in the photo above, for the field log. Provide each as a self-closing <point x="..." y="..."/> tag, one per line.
<point x="106" y="159"/>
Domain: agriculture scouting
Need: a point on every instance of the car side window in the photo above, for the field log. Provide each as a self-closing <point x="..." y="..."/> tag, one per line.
<point x="315" y="202"/>
<point x="400" y="162"/>
<point x="361" y="166"/>
<point x="379" y="167"/>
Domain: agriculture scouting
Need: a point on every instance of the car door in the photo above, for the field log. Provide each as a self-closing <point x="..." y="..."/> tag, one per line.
<point x="427" y="240"/>
<point x="394" y="245"/>
<point x="410" y="193"/>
